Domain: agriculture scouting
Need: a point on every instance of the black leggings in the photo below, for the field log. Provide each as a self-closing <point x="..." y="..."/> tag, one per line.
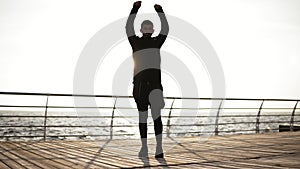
<point x="141" y="91"/>
<point x="158" y="128"/>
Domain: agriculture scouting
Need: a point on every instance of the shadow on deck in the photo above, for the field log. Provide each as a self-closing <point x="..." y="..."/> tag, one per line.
<point x="269" y="150"/>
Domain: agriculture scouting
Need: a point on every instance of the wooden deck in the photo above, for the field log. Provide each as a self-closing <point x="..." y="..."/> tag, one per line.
<point x="271" y="150"/>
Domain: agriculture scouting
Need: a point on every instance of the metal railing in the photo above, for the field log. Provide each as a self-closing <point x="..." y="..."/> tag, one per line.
<point x="292" y="114"/>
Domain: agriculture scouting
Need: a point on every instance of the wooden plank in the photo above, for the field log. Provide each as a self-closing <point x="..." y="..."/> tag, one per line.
<point x="3" y="165"/>
<point x="271" y="150"/>
<point x="12" y="159"/>
<point x="29" y="159"/>
<point x="46" y="154"/>
<point x="69" y="154"/>
<point x="286" y="160"/>
<point x="81" y="154"/>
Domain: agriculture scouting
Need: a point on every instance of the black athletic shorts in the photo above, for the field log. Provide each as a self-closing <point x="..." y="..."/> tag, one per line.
<point x="141" y="91"/>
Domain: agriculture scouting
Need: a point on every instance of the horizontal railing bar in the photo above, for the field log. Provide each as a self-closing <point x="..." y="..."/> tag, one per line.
<point x="68" y="126"/>
<point x="97" y="135"/>
<point x="119" y="96"/>
<point x="59" y="94"/>
<point x="235" y="116"/>
<point x="234" y="108"/>
<point x="94" y="135"/>
<point x="32" y="116"/>
<point x="248" y="122"/>
<point x="108" y="107"/>
<point x="67" y="107"/>
<point x="135" y="125"/>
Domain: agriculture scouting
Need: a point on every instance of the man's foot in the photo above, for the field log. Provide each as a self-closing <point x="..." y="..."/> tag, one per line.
<point x="159" y="152"/>
<point x="161" y="155"/>
<point x="143" y="152"/>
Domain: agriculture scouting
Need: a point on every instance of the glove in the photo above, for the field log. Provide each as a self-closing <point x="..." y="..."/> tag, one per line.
<point x="158" y="8"/>
<point x="137" y="4"/>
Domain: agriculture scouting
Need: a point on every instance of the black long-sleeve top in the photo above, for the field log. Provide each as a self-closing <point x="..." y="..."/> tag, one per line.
<point x="146" y="51"/>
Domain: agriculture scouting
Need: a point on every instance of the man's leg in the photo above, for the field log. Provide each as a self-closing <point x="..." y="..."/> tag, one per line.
<point x="157" y="103"/>
<point x="158" y="128"/>
<point x="143" y="116"/>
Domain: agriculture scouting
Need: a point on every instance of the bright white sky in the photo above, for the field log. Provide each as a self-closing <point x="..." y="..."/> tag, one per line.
<point x="257" y="43"/>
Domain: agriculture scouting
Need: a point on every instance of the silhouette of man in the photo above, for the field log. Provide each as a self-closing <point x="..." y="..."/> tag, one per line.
<point x="148" y="89"/>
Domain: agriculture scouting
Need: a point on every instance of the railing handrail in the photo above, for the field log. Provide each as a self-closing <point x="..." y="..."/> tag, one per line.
<point x="123" y="96"/>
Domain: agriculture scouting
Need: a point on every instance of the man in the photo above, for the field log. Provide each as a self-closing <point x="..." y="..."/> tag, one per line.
<point x="147" y="88"/>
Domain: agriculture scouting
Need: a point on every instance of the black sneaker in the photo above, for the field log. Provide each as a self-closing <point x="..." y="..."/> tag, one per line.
<point x="143" y="152"/>
<point x="161" y="155"/>
<point x="159" y="152"/>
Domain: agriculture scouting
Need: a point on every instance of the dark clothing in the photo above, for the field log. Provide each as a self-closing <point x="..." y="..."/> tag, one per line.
<point x="146" y="56"/>
<point x="141" y="91"/>
<point x="146" y="51"/>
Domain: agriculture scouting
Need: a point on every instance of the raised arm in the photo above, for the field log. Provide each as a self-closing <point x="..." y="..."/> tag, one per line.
<point x="130" y="21"/>
<point x="164" y="23"/>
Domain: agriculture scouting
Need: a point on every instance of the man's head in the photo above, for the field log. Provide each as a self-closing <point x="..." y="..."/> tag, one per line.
<point x="147" y="28"/>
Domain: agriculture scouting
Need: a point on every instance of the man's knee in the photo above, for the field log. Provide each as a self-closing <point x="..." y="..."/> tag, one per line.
<point x="142" y="104"/>
<point x="143" y="116"/>
<point x="156" y="99"/>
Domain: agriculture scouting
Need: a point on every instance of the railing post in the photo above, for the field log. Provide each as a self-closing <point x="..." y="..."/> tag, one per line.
<point x="217" y="119"/>
<point x="169" y="121"/>
<point x="45" y="119"/>
<point x="112" y="119"/>
<point x="258" y="117"/>
<point x="292" y="117"/>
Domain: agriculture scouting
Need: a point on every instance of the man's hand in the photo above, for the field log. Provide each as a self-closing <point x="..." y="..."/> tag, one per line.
<point x="137" y="4"/>
<point x="158" y="8"/>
